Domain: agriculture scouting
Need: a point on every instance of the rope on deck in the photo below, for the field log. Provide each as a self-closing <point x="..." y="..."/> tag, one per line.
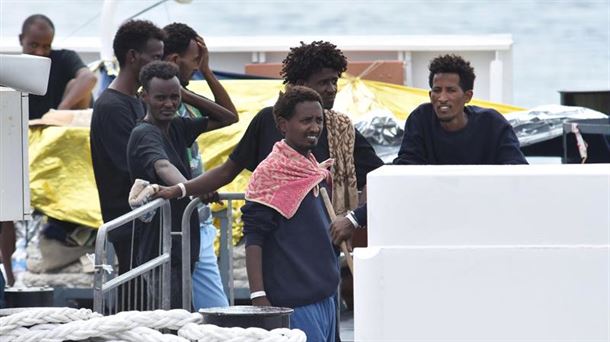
<point x="58" y="324"/>
<point x="209" y="332"/>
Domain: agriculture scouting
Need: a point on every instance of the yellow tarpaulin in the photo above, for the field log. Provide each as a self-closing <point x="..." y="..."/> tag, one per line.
<point x="61" y="176"/>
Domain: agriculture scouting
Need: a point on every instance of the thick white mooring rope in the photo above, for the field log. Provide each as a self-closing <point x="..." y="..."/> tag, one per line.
<point x="43" y="316"/>
<point x="58" y="324"/>
<point x="212" y="333"/>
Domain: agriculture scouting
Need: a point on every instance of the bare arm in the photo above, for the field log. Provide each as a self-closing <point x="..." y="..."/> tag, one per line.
<point x="254" y="266"/>
<point x="208" y="182"/>
<point x="218" y="116"/>
<point x="220" y="94"/>
<point x="168" y="172"/>
<point x="84" y="81"/>
<point x="222" y="112"/>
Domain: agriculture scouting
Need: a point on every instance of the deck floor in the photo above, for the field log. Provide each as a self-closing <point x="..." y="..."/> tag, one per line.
<point x="346" y="326"/>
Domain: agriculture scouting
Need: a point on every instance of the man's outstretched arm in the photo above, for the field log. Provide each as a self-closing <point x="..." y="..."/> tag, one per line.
<point x="208" y="182"/>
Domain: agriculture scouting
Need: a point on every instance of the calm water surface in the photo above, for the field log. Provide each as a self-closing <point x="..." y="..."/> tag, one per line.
<point x="558" y="44"/>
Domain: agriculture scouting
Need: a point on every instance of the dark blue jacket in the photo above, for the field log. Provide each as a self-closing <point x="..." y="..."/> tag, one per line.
<point x="487" y="139"/>
<point x="299" y="260"/>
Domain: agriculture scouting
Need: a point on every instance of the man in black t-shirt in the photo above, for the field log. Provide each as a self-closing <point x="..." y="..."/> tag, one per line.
<point x="156" y="153"/>
<point x="115" y="113"/>
<point x="70" y="81"/>
<point x="318" y="66"/>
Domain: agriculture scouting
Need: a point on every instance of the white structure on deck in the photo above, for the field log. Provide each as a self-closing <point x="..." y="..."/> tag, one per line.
<point x="14" y="114"/>
<point x="491" y="55"/>
<point x="485" y="253"/>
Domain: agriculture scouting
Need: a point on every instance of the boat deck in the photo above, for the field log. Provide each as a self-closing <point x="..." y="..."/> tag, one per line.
<point x="346" y="326"/>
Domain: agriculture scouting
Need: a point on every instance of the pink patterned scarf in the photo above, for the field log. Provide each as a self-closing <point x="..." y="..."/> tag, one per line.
<point x="285" y="177"/>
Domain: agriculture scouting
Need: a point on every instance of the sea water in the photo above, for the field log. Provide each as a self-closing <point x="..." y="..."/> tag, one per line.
<point x="558" y="44"/>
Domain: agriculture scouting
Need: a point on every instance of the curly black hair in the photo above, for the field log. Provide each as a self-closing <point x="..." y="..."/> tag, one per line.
<point x="158" y="69"/>
<point x="287" y="101"/>
<point x="29" y="21"/>
<point x="302" y="61"/>
<point x="178" y="38"/>
<point x="134" y="34"/>
<point x="453" y="64"/>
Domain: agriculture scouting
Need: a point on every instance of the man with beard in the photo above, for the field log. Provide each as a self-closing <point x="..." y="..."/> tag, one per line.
<point x="447" y="132"/>
<point x="317" y="66"/>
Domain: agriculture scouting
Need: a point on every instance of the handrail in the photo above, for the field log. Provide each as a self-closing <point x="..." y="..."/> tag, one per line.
<point x="163" y="260"/>
<point x="225" y="263"/>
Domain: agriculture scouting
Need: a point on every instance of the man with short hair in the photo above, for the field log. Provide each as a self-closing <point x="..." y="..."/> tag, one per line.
<point x="115" y="113"/>
<point x="318" y="66"/>
<point x="70" y="81"/>
<point x="446" y="131"/>
<point x="290" y="259"/>
<point x="156" y="152"/>
<point x="187" y="50"/>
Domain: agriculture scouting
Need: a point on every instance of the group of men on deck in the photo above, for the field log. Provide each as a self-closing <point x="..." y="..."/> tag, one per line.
<point x="294" y="149"/>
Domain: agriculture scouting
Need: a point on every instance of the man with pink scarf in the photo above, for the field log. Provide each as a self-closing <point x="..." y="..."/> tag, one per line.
<point x="290" y="257"/>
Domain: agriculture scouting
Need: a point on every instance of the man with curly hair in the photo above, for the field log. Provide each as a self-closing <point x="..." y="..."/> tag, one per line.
<point x="446" y="131"/>
<point x="290" y="258"/>
<point x="115" y="113"/>
<point x="318" y="66"/>
<point x="187" y="50"/>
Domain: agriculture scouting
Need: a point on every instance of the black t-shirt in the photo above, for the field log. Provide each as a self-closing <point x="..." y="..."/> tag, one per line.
<point x="262" y="134"/>
<point x="64" y="65"/>
<point x="147" y="145"/>
<point x="114" y="116"/>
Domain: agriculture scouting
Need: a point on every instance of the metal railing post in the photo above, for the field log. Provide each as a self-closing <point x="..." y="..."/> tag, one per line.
<point x="187" y="279"/>
<point x="105" y="287"/>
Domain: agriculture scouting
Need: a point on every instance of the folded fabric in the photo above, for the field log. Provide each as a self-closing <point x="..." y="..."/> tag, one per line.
<point x="65" y="118"/>
<point x="53" y="255"/>
<point x="140" y="194"/>
<point x="285" y="177"/>
<point x="341" y="140"/>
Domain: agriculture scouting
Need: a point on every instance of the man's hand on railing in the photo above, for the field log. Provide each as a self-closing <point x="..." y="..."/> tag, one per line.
<point x="141" y="193"/>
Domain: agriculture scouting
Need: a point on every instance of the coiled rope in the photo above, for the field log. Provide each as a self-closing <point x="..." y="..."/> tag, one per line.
<point x="59" y="324"/>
